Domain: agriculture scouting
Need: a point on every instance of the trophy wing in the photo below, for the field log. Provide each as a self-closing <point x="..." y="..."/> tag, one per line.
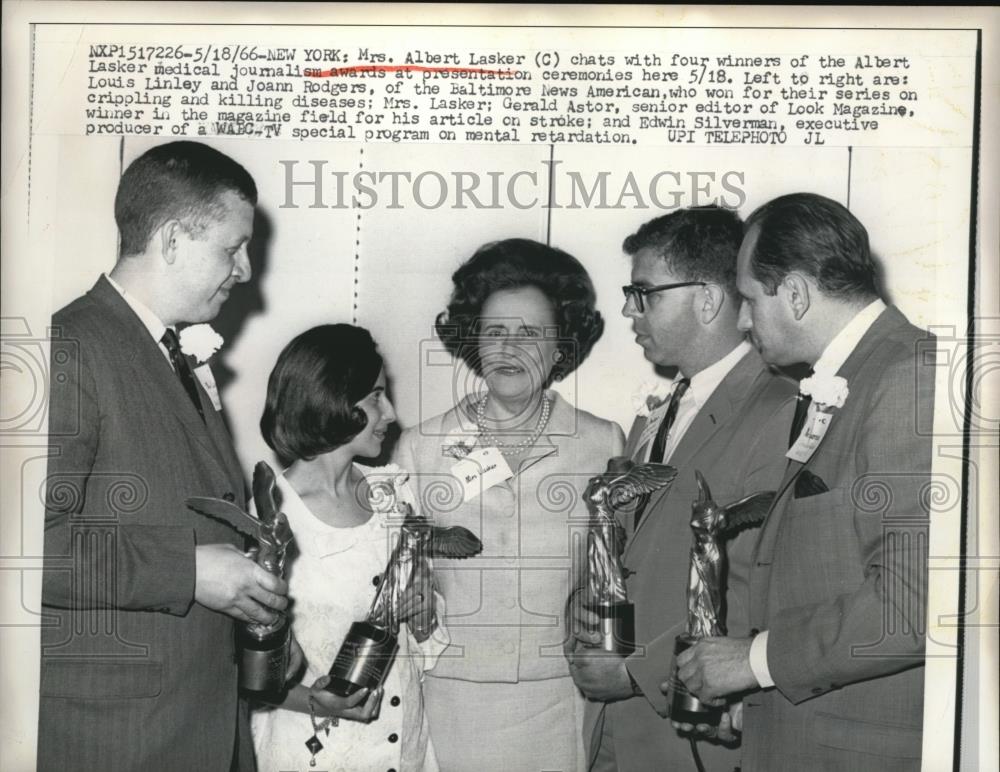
<point x="219" y="509"/>
<point x="454" y="542"/>
<point x="639" y="480"/>
<point x="747" y="512"/>
<point x="263" y="492"/>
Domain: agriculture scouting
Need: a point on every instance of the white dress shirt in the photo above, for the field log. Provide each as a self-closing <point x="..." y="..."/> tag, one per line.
<point x="702" y="385"/>
<point x="149" y="320"/>
<point x="830" y="361"/>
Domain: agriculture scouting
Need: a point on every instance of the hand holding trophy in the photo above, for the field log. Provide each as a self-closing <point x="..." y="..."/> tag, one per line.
<point x="264" y="648"/>
<point x="622" y="483"/>
<point x="711" y="525"/>
<point x="367" y="652"/>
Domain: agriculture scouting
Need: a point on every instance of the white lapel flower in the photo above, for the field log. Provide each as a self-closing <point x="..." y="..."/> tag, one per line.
<point x="827" y="391"/>
<point x="458" y="444"/>
<point x="459" y="449"/>
<point x="650" y="396"/>
<point x="200" y="341"/>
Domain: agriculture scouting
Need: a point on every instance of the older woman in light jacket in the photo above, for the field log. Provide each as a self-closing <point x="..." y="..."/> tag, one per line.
<point x="511" y="463"/>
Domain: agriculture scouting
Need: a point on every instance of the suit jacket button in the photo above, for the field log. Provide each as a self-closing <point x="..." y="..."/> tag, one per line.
<point x="754" y="631"/>
<point x="229" y="496"/>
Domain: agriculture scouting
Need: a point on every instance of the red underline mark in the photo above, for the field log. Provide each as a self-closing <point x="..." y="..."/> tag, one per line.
<point x="373" y="68"/>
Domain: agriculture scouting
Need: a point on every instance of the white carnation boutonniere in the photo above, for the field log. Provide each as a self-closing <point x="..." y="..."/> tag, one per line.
<point x="458" y="444"/>
<point x="827" y="391"/>
<point x="200" y="341"/>
<point x="460" y="448"/>
<point x="649" y="397"/>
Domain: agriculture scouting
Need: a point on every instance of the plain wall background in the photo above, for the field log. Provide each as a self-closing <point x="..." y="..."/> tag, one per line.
<point x="390" y="269"/>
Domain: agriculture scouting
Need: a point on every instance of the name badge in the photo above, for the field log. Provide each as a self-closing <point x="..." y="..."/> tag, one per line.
<point x="812" y="435"/>
<point x="480" y="470"/>
<point x="653" y="421"/>
<point x="207" y="380"/>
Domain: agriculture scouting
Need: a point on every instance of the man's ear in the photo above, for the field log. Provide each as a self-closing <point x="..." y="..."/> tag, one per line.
<point x="170" y="232"/>
<point x="794" y="288"/>
<point x="708" y="302"/>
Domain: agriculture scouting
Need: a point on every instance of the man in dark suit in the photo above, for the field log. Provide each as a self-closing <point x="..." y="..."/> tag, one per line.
<point x="140" y="594"/>
<point x="839" y="576"/>
<point x="724" y="416"/>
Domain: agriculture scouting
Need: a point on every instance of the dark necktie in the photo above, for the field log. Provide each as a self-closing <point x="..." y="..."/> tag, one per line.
<point x="660" y="442"/>
<point x="801" y="410"/>
<point x="181" y="367"/>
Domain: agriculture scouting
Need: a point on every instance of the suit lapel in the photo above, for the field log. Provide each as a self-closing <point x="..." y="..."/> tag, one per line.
<point x="219" y="434"/>
<point x="888" y="320"/>
<point x="151" y="368"/>
<point x="632" y="448"/>
<point x="712" y="417"/>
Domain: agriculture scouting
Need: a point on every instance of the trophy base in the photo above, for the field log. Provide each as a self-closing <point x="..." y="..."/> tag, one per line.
<point x="363" y="660"/>
<point x="617" y="627"/>
<point x="683" y="705"/>
<point x="264" y="659"/>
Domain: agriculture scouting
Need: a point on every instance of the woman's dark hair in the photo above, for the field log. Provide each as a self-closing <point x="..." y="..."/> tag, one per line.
<point x="513" y="264"/>
<point x="314" y="389"/>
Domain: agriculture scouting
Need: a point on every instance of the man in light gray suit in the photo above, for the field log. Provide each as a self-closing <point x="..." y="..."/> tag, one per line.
<point x="140" y="594"/>
<point x="726" y="417"/>
<point x="838" y="583"/>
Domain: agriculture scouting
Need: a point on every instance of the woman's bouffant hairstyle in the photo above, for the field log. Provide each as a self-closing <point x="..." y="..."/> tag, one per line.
<point x="314" y="389"/>
<point x="513" y="264"/>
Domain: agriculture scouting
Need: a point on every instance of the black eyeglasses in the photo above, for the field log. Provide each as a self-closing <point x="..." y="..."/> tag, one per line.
<point x="637" y="294"/>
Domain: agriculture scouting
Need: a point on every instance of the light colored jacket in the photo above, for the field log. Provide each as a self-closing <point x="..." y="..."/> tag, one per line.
<point x="506" y="607"/>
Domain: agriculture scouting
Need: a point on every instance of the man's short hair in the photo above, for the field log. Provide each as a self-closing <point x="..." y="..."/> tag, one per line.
<point x="817" y="237"/>
<point x="177" y="181"/>
<point x="314" y="388"/>
<point x="699" y="243"/>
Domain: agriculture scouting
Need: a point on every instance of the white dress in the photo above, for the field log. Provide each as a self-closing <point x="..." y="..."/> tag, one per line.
<point x="330" y="579"/>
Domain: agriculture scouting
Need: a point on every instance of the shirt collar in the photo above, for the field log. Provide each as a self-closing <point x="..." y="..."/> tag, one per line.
<point x="705" y="382"/>
<point x="839" y="349"/>
<point x="149" y="320"/>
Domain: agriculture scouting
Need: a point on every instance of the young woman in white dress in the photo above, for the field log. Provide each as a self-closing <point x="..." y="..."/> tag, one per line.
<point x="327" y="405"/>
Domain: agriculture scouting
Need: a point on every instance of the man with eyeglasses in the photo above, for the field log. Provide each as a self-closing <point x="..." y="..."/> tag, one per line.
<point x="726" y="416"/>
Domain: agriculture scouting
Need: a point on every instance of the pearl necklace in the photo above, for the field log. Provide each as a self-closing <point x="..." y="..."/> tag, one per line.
<point x="518" y="447"/>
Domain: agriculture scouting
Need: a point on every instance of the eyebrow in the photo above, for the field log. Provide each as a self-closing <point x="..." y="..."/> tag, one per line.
<point x="499" y="325"/>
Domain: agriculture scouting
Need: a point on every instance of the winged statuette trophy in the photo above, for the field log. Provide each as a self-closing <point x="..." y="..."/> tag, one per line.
<point x="711" y="526"/>
<point x="370" y="646"/>
<point x="624" y="482"/>
<point x="264" y="648"/>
